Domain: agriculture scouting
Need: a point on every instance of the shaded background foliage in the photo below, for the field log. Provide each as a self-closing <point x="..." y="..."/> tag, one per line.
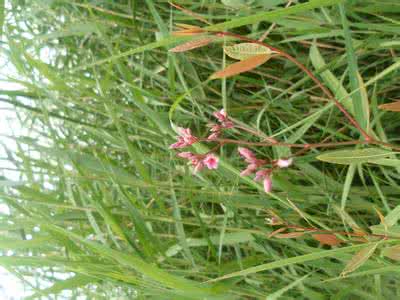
<point x="103" y="209"/>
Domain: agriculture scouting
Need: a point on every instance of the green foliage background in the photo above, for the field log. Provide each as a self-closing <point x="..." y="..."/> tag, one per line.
<point x="114" y="214"/>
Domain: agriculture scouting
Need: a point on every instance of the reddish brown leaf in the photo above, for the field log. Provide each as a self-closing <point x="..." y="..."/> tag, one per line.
<point x="327" y="239"/>
<point x="275" y="232"/>
<point x="242" y="66"/>
<point x="190" y="31"/>
<point x="392" y="252"/>
<point x="290" y="235"/>
<point x="192" y="45"/>
<point x="394" y="106"/>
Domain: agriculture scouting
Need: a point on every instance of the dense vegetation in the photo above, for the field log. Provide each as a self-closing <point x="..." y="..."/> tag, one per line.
<point x="104" y="209"/>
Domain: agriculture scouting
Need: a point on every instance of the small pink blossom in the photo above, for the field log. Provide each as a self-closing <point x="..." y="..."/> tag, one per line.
<point x="227" y="124"/>
<point x="251" y="168"/>
<point x="223" y="119"/>
<point x="185" y="138"/>
<point x="216" y="128"/>
<point x="265" y="176"/>
<point x="213" y="136"/>
<point x="267" y="184"/>
<point x="284" y="163"/>
<point x="220" y="115"/>
<point x="211" y="161"/>
<point x="186" y="155"/>
<point x="262" y="174"/>
<point x="247" y="154"/>
<point x="198" y="166"/>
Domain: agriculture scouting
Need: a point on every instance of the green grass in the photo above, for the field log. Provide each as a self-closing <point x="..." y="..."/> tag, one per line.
<point x="121" y="216"/>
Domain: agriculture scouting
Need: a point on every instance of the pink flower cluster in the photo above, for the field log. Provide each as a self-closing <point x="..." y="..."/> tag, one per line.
<point x="224" y="123"/>
<point x="254" y="163"/>
<point x="200" y="161"/>
<point x="210" y="160"/>
<point x="185" y="138"/>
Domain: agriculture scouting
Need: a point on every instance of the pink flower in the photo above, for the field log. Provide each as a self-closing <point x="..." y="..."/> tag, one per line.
<point x="227" y="124"/>
<point x="267" y="184"/>
<point x="262" y="174"/>
<point x="265" y="176"/>
<point x="198" y="166"/>
<point x="220" y="115"/>
<point x="284" y="163"/>
<point x="249" y="170"/>
<point x="211" y="161"/>
<point x="247" y="154"/>
<point x="213" y="136"/>
<point x="216" y="128"/>
<point x="185" y="138"/>
<point x="187" y="155"/>
<point x="223" y="118"/>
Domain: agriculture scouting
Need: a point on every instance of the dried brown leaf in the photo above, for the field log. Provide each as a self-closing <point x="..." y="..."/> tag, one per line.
<point x="192" y="45"/>
<point x="394" y="106"/>
<point x="327" y="239"/>
<point x="242" y="66"/>
<point x="359" y="259"/>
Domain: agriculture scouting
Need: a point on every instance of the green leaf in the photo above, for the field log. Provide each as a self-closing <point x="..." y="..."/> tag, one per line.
<point x="359" y="259"/>
<point x="347" y="157"/>
<point x="389" y="162"/>
<point x="243" y="51"/>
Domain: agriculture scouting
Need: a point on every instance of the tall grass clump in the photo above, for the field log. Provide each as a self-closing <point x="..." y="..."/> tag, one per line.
<point x="261" y="164"/>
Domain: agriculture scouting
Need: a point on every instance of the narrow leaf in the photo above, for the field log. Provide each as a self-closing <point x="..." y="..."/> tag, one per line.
<point x="327" y="239"/>
<point x="244" y="51"/>
<point x="242" y="66"/>
<point x="192" y="45"/>
<point x="393" y="106"/>
<point x="347" y="157"/>
<point x="359" y="259"/>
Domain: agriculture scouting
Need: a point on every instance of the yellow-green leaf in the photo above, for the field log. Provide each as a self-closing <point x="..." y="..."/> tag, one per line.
<point x="347" y="157"/>
<point x="244" y="51"/>
<point x="359" y="259"/>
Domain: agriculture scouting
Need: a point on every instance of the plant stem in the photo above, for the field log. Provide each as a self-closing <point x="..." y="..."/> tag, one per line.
<point x="304" y="146"/>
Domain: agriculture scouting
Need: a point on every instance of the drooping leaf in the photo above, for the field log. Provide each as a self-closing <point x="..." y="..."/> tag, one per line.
<point x="393" y="106"/>
<point x="327" y="239"/>
<point x="244" y="51"/>
<point x="241" y="66"/>
<point x="392" y="252"/>
<point x="347" y="157"/>
<point x="192" y="45"/>
<point x="359" y="259"/>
